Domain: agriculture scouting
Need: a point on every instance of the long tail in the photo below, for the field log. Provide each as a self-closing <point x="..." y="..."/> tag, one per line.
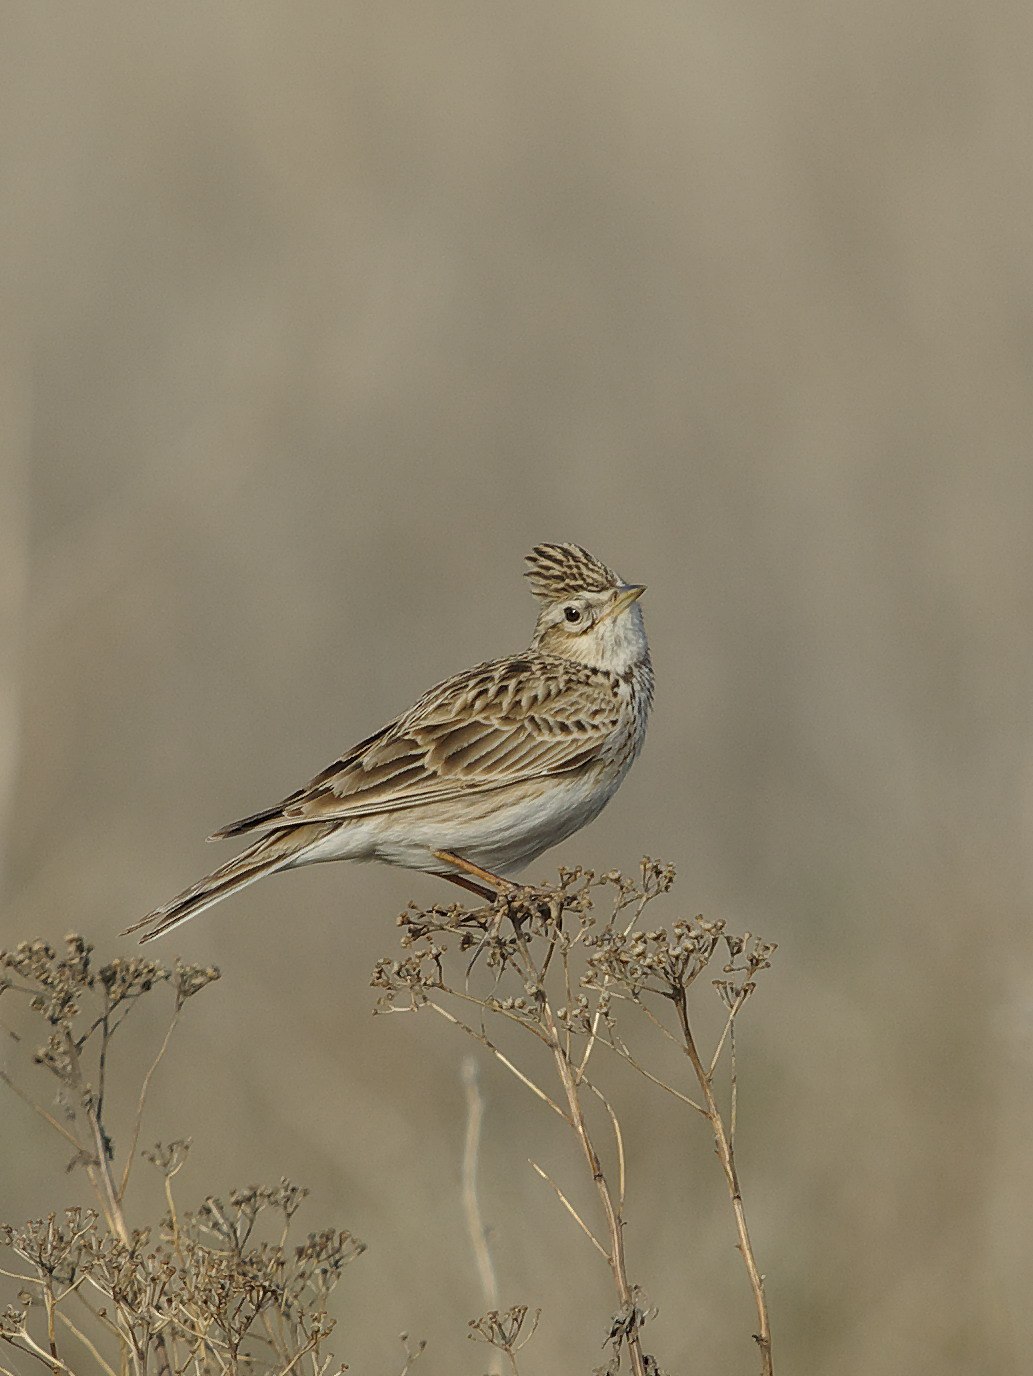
<point x="272" y="852"/>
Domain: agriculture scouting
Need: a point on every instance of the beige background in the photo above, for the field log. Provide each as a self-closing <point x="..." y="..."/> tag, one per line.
<point x="316" y="317"/>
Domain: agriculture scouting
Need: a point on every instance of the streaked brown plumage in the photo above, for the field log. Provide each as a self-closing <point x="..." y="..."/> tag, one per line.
<point x="488" y="769"/>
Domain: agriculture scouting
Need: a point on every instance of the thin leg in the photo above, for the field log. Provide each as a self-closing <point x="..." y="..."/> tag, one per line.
<point x="498" y="884"/>
<point x="467" y="884"/>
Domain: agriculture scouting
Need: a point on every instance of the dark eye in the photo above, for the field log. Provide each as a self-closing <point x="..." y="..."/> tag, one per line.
<point x="572" y="613"/>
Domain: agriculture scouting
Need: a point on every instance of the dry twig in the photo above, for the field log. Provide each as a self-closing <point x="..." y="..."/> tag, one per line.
<point x="559" y="972"/>
<point x="210" y="1290"/>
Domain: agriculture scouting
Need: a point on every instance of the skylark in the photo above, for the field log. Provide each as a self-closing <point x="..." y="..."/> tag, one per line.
<point x="489" y="769"/>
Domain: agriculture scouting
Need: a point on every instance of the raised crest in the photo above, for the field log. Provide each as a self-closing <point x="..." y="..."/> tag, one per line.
<point x="558" y="571"/>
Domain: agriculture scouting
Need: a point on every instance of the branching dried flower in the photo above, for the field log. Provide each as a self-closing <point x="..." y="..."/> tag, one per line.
<point x="225" y="1289"/>
<point x="549" y="963"/>
<point x="222" y="1289"/>
<point x="412" y="1354"/>
<point x="505" y="1331"/>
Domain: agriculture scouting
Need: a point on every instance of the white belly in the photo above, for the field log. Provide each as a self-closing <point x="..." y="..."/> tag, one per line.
<point x="500" y="831"/>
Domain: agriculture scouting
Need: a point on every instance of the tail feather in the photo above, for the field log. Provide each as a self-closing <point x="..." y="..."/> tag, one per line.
<point x="264" y="857"/>
<point x="269" y="817"/>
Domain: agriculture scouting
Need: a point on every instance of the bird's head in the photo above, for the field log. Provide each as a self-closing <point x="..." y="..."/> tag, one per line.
<point x="588" y="613"/>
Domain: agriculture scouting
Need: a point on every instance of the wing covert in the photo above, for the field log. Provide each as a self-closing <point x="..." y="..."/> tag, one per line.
<point x="507" y="722"/>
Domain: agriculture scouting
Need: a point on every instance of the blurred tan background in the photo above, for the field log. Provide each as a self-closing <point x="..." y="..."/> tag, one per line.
<point x="316" y="316"/>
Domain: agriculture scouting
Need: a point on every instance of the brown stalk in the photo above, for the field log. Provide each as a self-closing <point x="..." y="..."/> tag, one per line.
<point x="571" y="1081"/>
<point x="90" y="1347"/>
<point x="614" y="1223"/>
<point x="98" y="1166"/>
<point x="48" y="1300"/>
<point x="726" y="1155"/>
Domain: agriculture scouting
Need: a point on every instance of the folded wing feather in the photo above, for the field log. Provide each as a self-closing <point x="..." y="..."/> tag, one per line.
<point x="500" y="724"/>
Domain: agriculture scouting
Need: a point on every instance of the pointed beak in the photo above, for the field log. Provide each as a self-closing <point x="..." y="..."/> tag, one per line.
<point x="629" y="593"/>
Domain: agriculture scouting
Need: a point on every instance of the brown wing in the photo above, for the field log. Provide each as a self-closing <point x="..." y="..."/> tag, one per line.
<point x="507" y="722"/>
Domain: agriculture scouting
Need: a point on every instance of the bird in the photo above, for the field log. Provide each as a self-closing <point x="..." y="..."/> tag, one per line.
<point x="489" y="768"/>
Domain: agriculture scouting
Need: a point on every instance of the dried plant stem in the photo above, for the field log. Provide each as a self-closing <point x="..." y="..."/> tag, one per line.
<point x="503" y="1060"/>
<point x="728" y="1031"/>
<point x="570" y="994"/>
<point x="90" y="1347"/>
<point x="141" y="1104"/>
<point x="295" y="1359"/>
<point x="188" y="1301"/>
<point x="42" y="1112"/>
<point x="597" y="1016"/>
<point x="571" y="1080"/>
<point x="100" y="1315"/>
<point x="619" y="1049"/>
<point x="618" y="1137"/>
<point x="17" y="1275"/>
<point x="33" y="1349"/>
<point x="102" y="1179"/>
<point x="726" y="1156"/>
<point x="98" y="1167"/>
<point x="48" y="1300"/>
<point x="570" y="1209"/>
<point x="614" y="1222"/>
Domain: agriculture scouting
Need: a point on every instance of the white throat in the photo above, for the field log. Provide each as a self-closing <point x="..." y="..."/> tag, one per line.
<point x="616" y="644"/>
